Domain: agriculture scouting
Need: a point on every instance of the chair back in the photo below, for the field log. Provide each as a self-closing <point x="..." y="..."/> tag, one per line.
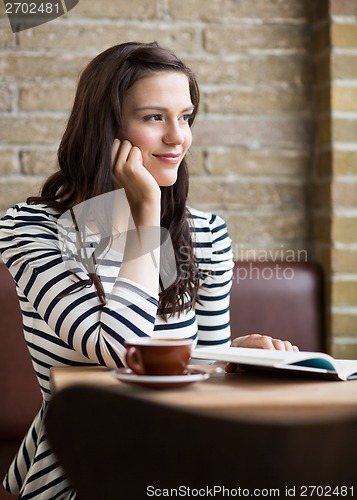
<point x="114" y="445"/>
<point x="280" y="299"/>
<point x="20" y="396"/>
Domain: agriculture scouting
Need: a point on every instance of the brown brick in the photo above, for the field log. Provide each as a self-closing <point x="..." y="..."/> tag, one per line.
<point x="196" y="161"/>
<point x="323" y="96"/>
<point x="260" y="162"/>
<point x="38" y="162"/>
<point x="16" y="190"/>
<point x="251" y="70"/>
<point x="345" y="162"/>
<point x="324" y="131"/>
<point x="322" y="37"/>
<point x="118" y="10"/>
<point x="225" y="38"/>
<point x="9" y="162"/>
<point x="344" y="194"/>
<point x="344" y="35"/>
<point x="268" y="228"/>
<point x="323" y="257"/>
<point x="344" y="98"/>
<point x="321" y="195"/>
<point x="7" y="37"/>
<point x="93" y="35"/>
<point x="321" y="227"/>
<point x="344" y="229"/>
<point x="345" y="130"/>
<point x="323" y="165"/>
<point x="250" y="131"/>
<point x="344" y="293"/>
<point x="224" y="10"/>
<point x="240" y="194"/>
<point x="344" y="324"/>
<point x="343" y="7"/>
<point x="31" y="130"/>
<point x="344" y="66"/>
<point x="344" y="351"/>
<point x="17" y="66"/>
<point x="259" y="100"/>
<point x="344" y="261"/>
<point x="320" y="10"/>
<point x="323" y="68"/>
<point x="46" y="97"/>
<point x="8" y="97"/>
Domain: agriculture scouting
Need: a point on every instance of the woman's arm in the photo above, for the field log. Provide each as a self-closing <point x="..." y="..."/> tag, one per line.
<point x="215" y="258"/>
<point x="31" y="250"/>
<point x="142" y="194"/>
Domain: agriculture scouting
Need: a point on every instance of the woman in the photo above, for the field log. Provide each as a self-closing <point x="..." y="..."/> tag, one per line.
<point x="85" y="253"/>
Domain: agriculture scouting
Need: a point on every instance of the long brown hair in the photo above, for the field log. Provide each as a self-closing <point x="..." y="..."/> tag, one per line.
<point x="84" y="154"/>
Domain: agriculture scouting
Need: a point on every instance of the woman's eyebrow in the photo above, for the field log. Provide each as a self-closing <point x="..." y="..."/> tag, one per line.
<point x="160" y="108"/>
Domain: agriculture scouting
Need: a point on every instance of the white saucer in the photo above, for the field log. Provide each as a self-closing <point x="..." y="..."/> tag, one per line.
<point x="160" y="381"/>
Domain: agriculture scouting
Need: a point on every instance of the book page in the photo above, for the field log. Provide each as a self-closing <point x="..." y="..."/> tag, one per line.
<point x="259" y="356"/>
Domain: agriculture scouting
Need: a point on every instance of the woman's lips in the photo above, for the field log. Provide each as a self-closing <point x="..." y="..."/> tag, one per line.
<point x="168" y="157"/>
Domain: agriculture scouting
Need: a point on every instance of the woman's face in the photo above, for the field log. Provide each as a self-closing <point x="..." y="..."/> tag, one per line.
<point x="156" y="112"/>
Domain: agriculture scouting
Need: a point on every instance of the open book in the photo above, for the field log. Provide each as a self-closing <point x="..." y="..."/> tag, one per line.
<point x="302" y="362"/>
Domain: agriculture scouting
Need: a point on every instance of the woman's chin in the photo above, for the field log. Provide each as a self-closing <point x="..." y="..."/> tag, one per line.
<point x="167" y="181"/>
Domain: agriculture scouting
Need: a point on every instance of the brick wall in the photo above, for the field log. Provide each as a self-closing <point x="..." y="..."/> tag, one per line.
<point x="335" y="172"/>
<point x="251" y="154"/>
<point x="253" y="158"/>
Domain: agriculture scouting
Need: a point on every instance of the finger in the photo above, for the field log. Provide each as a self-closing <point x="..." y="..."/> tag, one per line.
<point x="266" y="342"/>
<point x="124" y="151"/>
<point x="254" y="340"/>
<point x="278" y="345"/>
<point x="230" y="368"/>
<point x="134" y="157"/>
<point x="120" y="153"/>
<point x="283" y="345"/>
<point x="288" y="345"/>
<point x="115" y="149"/>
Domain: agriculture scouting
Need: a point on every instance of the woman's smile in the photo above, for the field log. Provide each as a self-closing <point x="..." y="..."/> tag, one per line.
<point x="170" y="158"/>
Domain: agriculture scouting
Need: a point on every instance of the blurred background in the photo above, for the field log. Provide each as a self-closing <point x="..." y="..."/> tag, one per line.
<point x="275" y="144"/>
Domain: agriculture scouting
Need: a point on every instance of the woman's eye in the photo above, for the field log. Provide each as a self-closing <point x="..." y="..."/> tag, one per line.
<point x="152" y="118"/>
<point x="186" y="118"/>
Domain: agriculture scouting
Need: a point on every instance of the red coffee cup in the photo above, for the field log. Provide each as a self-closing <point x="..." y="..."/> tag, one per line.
<point x="147" y="356"/>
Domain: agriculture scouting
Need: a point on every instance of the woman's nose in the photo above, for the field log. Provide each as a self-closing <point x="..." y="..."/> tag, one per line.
<point x="173" y="134"/>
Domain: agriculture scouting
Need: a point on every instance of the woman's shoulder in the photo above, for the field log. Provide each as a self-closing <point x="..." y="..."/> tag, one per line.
<point x="212" y="243"/>
<point x="27" y="226"/>
<point x="30" y="212"/>
<point x="24" y="219"/>
<point x="210" y="231"/>
<point x="208" y="220"/>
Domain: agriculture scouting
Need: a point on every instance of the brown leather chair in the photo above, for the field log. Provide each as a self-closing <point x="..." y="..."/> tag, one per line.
<point x="20" y="396"/>
<point x="113" y="446"/>
<point x="280" y="299"/>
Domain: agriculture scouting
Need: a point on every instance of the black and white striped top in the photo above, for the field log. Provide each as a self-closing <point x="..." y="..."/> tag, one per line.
<point x="65" y="324"/>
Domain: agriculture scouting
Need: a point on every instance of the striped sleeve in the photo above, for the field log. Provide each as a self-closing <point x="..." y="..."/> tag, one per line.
<point x="30" y="249"/>
<point x="214" y="253"/>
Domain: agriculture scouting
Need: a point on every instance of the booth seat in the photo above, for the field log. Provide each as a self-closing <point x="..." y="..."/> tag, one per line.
<point x="283" y="300"/>
<point x="20" y="396"/>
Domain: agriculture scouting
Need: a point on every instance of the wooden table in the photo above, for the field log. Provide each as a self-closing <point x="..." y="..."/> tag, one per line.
<point x="257" y="395"/>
